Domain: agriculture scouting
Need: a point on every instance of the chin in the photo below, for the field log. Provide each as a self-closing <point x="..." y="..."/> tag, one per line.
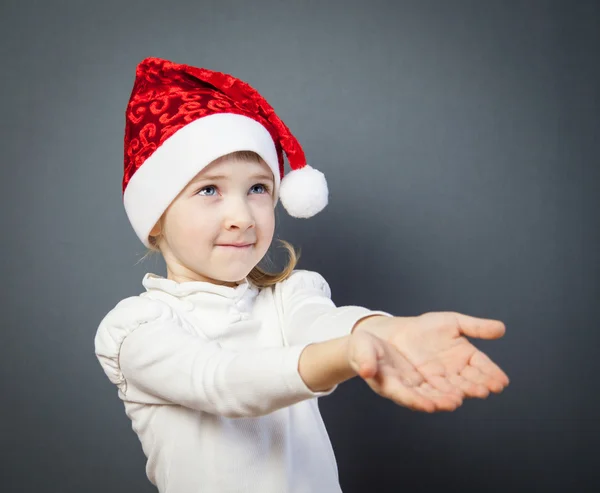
<point x="234" y="276"/>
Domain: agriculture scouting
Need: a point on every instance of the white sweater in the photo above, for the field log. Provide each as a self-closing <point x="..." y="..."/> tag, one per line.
<point x="209" y="378"/>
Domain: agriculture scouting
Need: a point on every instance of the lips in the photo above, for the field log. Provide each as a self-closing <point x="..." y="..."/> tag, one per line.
<point x="236" y="245"/>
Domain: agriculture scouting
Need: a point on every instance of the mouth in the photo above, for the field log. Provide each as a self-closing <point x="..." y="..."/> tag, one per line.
<point x="240" y="246"/>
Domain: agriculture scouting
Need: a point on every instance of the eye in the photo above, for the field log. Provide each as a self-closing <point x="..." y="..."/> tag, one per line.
<point x="262" y="188"/>
<point x="209" y="188"/>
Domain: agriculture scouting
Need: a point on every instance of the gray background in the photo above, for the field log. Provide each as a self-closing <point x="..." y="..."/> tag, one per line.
<point x="460" y="141"/>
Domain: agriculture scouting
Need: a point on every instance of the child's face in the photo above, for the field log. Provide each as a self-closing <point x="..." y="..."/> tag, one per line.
<point x="228" y="202"/>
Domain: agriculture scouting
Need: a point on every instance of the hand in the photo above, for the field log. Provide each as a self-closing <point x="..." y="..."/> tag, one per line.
<point x="392" y="376"/>
<point x="435" y="345"/>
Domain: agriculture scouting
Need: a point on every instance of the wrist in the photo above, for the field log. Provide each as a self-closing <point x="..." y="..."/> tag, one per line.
<point x="323" y="365"/>
<point x="368" y="322"/>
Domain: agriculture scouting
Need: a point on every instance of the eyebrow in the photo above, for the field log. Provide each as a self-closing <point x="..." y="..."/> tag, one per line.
<point x="260" y="176"/>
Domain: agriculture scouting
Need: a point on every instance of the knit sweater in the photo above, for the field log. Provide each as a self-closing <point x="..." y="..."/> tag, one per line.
<point x="208" y="375"/>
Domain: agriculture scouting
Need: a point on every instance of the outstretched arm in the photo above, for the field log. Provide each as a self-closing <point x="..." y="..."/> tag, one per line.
<point x="144" y="350"/>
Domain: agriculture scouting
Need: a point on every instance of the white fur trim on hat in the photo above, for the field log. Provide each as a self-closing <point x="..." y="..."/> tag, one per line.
<point x="304" y="192"/>
<point x="184" y="154"/>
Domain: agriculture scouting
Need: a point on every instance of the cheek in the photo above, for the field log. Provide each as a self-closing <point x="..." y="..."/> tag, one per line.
<point x="267" y="222"/>
<point x="196" y="228"/>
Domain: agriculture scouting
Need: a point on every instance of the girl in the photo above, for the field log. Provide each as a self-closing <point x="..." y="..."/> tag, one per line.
<point x="220" y="363"/>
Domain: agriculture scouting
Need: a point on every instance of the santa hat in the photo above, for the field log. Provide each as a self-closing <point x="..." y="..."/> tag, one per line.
<point x="181" y="118"/>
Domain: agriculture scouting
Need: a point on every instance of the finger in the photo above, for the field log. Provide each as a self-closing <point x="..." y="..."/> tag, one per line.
<point x="408" y="376"/>
<point x="444" y="385"/>
<point x="387" y="379"/>
<point x="443" y="401"/>
<point x="486" y="365"/>
<point x="482" y="328"/>
<point x="435" y="373"/>
<point x="474" y="376"/>
<point x="469" y="388"/>
<point x="407" y="396"/>
<point x="477" y="376"/>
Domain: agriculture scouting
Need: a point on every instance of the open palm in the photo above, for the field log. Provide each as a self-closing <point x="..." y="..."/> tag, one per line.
<point x="435" y="344"/>
<point x="392" y="376"/>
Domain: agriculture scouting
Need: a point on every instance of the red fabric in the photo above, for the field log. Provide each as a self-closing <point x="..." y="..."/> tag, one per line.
<point x="167" y="96"/>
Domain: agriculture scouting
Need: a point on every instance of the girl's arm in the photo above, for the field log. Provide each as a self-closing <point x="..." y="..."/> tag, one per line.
<point x="146" y="352"/>
<point x="324" y="365"/>
<point x="308" y="313"/>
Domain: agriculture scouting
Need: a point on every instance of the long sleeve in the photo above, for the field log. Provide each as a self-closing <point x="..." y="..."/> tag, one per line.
<point x="309" y="315"/>
<point x="145" y="350"/>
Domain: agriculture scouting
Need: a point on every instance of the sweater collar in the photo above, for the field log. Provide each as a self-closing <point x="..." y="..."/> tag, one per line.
<point x="153" y="281"/>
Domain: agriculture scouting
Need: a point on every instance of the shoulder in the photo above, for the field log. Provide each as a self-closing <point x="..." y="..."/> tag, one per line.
<point x="304" y="280"/>
<point x="134" y="311"/>
<point x="128" y="315"/>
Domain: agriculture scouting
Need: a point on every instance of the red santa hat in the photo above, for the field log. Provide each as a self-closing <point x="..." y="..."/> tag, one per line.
<point x="181" y="118"/>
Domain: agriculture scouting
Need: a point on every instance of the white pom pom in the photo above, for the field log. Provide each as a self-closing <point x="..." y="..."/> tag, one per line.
<point x="304" y="192"/>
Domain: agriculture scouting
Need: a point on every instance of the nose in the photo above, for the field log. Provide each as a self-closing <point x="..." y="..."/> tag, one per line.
<point x="238" y="215"/>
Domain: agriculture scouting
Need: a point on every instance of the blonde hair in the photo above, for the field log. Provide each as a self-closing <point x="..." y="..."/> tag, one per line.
<point x="259" y="276"/>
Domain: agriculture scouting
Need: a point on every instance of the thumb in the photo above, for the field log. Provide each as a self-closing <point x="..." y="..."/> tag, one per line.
<point x="364" y="355"/>
<point x="482" y="328"/>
